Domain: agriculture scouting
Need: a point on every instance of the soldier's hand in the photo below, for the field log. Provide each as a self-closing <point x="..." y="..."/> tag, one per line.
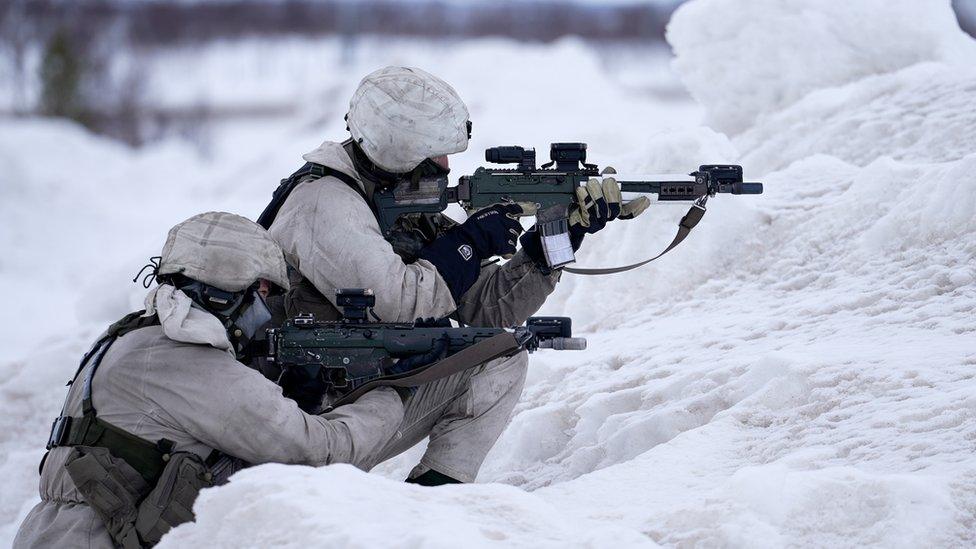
<point x="598" y="203"/>
<point x="457" y="254"/>
<point x="494" y="230"/>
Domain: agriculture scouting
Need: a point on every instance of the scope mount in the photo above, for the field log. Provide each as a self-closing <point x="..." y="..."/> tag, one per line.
<point x="356" y="303"/>
<point x="568" y="157"/>
<point x="565" y="157"/>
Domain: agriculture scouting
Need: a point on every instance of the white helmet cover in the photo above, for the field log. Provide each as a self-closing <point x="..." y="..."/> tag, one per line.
<point x="401" y="116"/>
<point x="223" y="250"/>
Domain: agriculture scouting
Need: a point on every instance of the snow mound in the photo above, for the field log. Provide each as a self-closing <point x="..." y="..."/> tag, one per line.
<point x="839" y="506"/>
<point x="822" y="329"/>
<point x="743" y="61"/>
<point x="921" y="113"/>
<point x="340" y="506"/>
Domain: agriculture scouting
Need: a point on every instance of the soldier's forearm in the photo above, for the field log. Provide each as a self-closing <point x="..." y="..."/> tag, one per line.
<point x="506" y="295"/>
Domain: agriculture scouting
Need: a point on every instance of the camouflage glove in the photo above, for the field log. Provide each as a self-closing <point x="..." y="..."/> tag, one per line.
<point x="598" y="203"/>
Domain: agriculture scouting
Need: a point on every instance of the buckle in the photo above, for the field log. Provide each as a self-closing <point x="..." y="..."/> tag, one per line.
<point x="318" y="170"/>
<point x="59" y="432"/>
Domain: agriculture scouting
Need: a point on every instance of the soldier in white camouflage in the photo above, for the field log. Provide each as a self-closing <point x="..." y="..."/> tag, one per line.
<point x="403" y="123"/>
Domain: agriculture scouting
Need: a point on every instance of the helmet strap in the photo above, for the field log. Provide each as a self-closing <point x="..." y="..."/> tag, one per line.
<point x="382" y="179"/>
<point x="373" y="174"/>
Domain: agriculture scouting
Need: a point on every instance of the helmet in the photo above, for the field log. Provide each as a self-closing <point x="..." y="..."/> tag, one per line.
<point x="401" y="116"/>
<point x="217" y="259"/>
<point x="223" y="250"/>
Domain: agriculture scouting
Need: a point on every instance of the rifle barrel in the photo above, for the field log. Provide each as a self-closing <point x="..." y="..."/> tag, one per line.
<point x="748" y="188"/>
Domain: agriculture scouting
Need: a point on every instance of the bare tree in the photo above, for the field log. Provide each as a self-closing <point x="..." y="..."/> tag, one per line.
<point x="61" y="73"/>
<point x="16" y="34"/>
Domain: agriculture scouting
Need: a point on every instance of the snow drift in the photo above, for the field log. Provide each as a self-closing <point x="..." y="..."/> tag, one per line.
<point x="258" y="513"/>
<point x="799" y="373"/>
<point x="742" y="62"/>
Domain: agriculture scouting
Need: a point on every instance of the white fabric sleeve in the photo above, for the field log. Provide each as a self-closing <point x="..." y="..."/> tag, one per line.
<point x="506" y="295"/>
<point x="249" y="417"/>
<point x="330" y="235"/>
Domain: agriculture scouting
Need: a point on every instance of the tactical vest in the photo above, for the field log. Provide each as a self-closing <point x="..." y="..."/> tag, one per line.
<point x="410" y="234"/>
<point x="139" y="488"/>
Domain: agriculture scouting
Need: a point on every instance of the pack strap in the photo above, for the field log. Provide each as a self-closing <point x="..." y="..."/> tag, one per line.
<point x="685" y="226"/>
<point x="128" y="323"/>
<point x="497" y="346"/>
<point x="148" y="458"/>
<point x="309" y="172"/>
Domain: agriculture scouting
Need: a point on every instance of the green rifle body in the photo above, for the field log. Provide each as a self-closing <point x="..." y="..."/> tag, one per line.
<point x="548" y="187"/>
<point x="552" y="188"/>
<point x="315" y="358"/>
<point x="552" y="185"/>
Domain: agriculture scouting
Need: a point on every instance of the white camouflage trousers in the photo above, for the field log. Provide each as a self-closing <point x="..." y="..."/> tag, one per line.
<point x="463" y="414"/>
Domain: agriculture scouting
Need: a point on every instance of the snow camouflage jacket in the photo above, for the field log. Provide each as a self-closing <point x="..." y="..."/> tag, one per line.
<point x="157" y="387"/>
<point x="330" y="236"/>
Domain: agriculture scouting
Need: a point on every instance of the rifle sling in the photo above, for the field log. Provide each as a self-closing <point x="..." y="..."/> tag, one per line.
<point x="685" y="226"/>
<point x="497" y="346"/>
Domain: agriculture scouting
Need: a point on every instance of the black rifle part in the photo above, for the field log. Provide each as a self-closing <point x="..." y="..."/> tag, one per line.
<point x="317" y="361"/>
<point x="552" y="187"/>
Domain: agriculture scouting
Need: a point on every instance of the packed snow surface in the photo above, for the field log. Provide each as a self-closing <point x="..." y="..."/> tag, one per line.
<point x="480" y="514"/>
<point x="800" y="372"/>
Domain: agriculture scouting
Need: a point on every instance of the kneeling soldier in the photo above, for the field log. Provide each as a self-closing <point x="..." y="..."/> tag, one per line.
<point x="161" y="406"/>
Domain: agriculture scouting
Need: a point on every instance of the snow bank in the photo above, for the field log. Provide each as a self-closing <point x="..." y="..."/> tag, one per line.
<point x="921" y="113"/>
<point x="839" y="506"/>
<point x="341" y="506"/>
<point x="742" y="61"/>
<point x="70" y="250"/>
<point x="801" y="373"/>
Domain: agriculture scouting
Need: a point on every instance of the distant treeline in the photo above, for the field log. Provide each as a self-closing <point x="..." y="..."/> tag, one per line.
<point x="156" y="22"/>
<point x="78" y="40"/>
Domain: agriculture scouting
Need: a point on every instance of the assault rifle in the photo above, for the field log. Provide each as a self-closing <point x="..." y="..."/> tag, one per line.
<point x="341" y="360"/>
<point x="552" y="189"/>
